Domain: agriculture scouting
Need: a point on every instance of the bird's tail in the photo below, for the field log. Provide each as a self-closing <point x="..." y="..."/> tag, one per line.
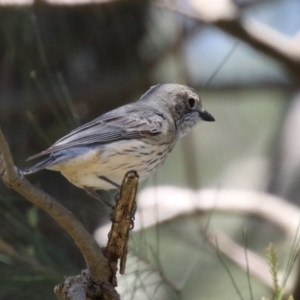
<point x="48" y="161"/>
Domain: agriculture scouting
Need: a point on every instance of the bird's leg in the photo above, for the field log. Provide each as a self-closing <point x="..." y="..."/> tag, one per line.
<point x="94" y="194"/>
<point x="110" y="181"/>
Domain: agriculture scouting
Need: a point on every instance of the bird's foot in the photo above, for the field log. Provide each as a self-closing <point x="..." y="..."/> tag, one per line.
<point x="110" y="182"/>
<point x="95" y="195"/>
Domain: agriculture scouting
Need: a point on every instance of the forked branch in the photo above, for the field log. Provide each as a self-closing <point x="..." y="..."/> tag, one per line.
<point x="99" y="280"/>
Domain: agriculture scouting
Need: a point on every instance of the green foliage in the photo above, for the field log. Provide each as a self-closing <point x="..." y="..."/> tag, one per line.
<point x="273" y="263"/>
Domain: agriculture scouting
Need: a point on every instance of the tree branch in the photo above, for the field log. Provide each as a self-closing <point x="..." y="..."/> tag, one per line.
<point x="172" y="202"/>
<point x="97" y="263"/>
<point x="122" y="221"/>
<point x="257" y="265"/>
<point x="225" y="15"/>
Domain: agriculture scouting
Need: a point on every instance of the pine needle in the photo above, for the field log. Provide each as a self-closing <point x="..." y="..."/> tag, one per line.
<point x="272" y="260"/>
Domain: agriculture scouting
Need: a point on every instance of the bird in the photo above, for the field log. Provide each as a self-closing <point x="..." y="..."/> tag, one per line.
<point x="134" y="137"/>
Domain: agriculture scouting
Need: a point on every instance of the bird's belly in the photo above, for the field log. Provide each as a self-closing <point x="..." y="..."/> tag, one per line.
<point x="113" y="162"/>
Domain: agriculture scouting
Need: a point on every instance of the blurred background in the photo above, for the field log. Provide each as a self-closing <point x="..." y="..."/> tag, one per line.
<point x="63" y="63"/>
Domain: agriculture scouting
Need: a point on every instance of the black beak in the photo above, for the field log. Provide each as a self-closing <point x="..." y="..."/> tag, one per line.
<point x="206" y="116"/>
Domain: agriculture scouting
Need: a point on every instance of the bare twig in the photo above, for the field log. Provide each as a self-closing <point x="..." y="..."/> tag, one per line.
<point x="122" y="220"/>
<point x="99" y="280"/>
<point x="98" y="265"/>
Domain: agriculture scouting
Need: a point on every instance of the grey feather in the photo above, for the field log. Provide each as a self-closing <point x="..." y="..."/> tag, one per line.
<point x="113" y="126"/>
<point x="39" y="166"/>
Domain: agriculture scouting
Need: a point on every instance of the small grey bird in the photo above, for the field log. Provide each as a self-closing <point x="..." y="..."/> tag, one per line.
<point x="136" y="136"/>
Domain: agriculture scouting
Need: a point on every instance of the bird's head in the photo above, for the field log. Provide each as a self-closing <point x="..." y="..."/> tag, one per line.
<point x="182" y="103"/>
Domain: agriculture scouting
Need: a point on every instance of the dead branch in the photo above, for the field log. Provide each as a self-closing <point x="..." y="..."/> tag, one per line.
<point x="226" y="16"/>
<point x="99" y="269"/>
<point x="95" y="260"/>
<point x="100" y="278"/>
<point x="122" y="221"/>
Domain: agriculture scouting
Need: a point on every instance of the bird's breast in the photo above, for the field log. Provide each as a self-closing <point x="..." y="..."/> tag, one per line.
<point x="113" y="161"/>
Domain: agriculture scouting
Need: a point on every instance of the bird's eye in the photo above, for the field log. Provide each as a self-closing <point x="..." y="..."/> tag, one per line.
<point x="191" y="102"/>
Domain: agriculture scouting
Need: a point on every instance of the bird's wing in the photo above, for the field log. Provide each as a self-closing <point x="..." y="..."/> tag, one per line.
<point x="109" y="128"/>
